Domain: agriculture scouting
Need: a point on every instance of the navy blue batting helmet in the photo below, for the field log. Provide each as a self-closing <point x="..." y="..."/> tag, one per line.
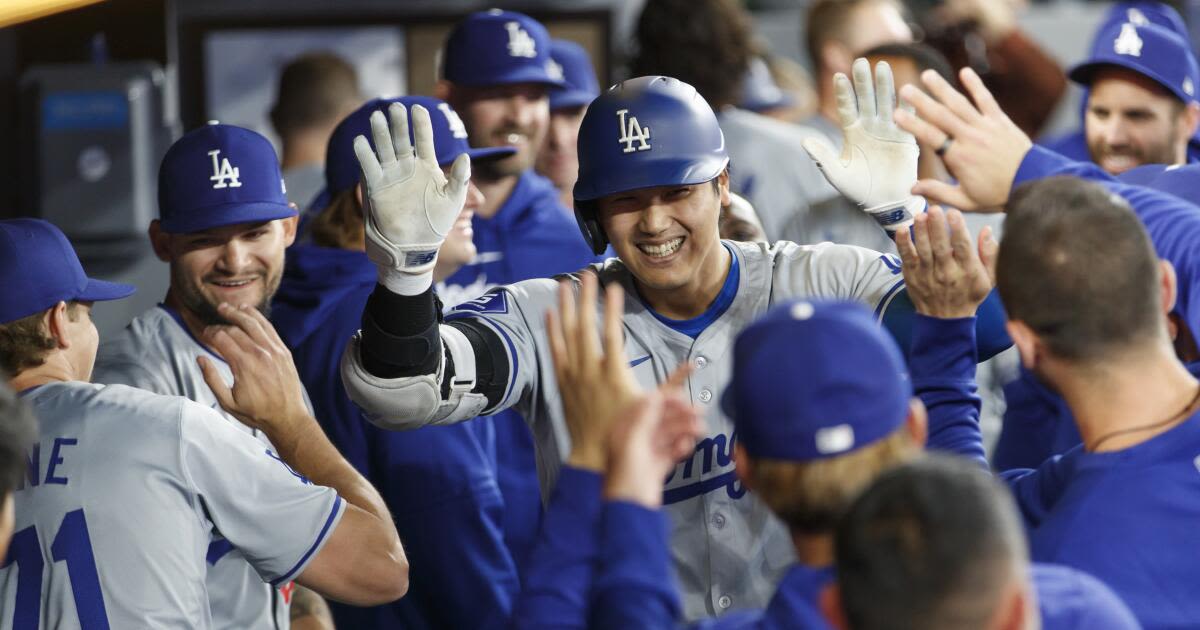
<point x="641" y="133"/>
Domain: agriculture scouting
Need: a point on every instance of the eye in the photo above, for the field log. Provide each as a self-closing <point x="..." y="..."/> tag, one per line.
<point x="679" y="193"/>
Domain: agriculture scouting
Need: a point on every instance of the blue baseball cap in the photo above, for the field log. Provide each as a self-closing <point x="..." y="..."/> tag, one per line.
<point x="1143" y="13"/>
<point x="220" y="175"/>
<point x="497" y="48"/>
<point x="813" y="380"/>
<point x="759" y="90"/>
<point x="1149" y="50"/>
<point x="342" y="170"/>
<point x="1181" y="180"/>
<point x="572" y="63"/>
<point x="39" y="268"/>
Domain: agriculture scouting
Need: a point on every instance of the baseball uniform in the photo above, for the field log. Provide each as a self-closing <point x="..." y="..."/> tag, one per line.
<point x="125" y="494"/>
<point x="157" y="352"/>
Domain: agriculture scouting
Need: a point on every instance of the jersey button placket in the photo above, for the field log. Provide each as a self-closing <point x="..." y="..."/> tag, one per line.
<point x="705" y="395"/>
<point x="724" y="602"/>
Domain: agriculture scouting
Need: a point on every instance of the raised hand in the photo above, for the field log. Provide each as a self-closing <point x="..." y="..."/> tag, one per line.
<point x="946" y="275"/>
<point x="266" y="392"/>
<point x="980" y="146"/>
<point x="655" y="432"/>
<point x="878" y="163"/>
<point x="409" y="205"/>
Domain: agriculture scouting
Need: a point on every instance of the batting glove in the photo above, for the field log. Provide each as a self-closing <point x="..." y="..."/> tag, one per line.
<point x="878" y="164"/>
<point x="409" y="205"/>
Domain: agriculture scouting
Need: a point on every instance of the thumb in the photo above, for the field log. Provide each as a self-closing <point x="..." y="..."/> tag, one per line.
<point x="217" y="384"/>
<point x="827" y="159"/>
<point x="460" y="176"/>
<point x="950" y="195"/>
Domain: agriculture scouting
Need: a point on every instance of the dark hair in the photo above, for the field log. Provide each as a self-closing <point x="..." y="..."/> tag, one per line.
<point x="707" y="43"/>
<point x="1077" y="267"/>
<point x="924" y="56"/>
<point x="930" y="545"/>
<point x="314" y="89"/>
<point x="18" y="430"/>
<point x="828" y="20"/>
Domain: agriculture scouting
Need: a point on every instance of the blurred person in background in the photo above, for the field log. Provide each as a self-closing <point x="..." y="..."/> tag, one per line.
<point x="316" y="91"/>
<point x="557" y="160"/>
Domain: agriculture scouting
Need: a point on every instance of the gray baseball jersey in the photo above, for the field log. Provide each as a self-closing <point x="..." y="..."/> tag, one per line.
<point x="156" y="352"/>
<point x="729" y="549"/>
<point x="124" y="493"/>
<point x="770" y="168"/>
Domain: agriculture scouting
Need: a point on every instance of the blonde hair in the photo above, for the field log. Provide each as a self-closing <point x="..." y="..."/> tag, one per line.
<point x="340" y="224"/>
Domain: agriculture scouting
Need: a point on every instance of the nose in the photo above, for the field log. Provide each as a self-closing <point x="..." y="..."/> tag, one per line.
<point x="655" y="219"/>
<point x="521" y="110"/>
<point x="235" y="256"/>
<point x="475" y="198"/>
<point x="1114" y="131"/>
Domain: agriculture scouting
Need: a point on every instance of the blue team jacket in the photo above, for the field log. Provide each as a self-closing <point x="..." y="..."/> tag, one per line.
<point x="438" y="482"/>
<point x="1074" y="146"/>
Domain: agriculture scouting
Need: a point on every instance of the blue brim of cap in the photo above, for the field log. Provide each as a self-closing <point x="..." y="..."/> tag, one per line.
<point x="1082" y="74"/>
<point x="490" y="153"/>
<point x="562" y="99"/>
<point x="524" y="74"/>
<point x="785" y="100"/>
<point x="102" y="291"/>
<point x="227" y="214"/>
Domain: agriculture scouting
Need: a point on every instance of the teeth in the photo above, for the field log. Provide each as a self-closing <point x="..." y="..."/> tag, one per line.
<point x="514" y="138"/>
<point x="240" y="283"/>
<point x="660" y="251"/>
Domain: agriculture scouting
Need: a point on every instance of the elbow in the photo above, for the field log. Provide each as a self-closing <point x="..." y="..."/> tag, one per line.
<point x="389" y="578"/>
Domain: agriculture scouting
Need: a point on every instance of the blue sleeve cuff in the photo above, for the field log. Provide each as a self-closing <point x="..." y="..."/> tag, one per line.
<point x="943" y="348"/>
<point x="579" y="491"/>
<point x="1041" y="162"/>
<point x="637" y="547"/>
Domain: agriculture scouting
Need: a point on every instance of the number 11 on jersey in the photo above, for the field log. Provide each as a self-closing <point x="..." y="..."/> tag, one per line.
<point x="71" y="545"/>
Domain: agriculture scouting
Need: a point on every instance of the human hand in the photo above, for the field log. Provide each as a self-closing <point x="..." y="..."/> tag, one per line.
<point x="980" y="146"/>
<point x="878" y="163"/>
<point x="946" y="275"/>
<point x="655" y="432"/>
<point x="266" y="393"/>
<point x="410" y="205"/>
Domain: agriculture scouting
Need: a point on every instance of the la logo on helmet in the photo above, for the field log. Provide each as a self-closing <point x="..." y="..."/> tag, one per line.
<point x="224" y="174"/>
<point x="520" y="44"/>
<point x="631" y="132"/>
<point x="1128" y="42"/>
<point x="457" y="129"/>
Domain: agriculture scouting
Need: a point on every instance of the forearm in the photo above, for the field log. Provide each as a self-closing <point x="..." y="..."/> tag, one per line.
<point x="308" y="611"/>
<point x="400" y="333"/>
<point x="942" y="367"/>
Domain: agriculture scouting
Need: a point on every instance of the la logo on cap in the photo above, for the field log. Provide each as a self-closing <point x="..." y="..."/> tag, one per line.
<point x="457" y="129"/>
<point x="1128" y="42"/>
<point x="224" y="174"/>
<point x="520" y="44"/>
<point x="1135" y="15"/>
<point x="554" y="69"/>
<point x="632" y="131"/>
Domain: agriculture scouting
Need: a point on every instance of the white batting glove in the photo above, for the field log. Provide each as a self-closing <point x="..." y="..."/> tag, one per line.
<point x="409" y="205"/>
<point x="878" y="164"/>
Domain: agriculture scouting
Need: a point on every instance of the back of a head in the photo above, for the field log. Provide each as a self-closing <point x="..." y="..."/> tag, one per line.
<point x="1077" y="267"/>
<point x="832" y="20"/>
<point x="931" y="545"/>
<point x="923" y="56"/>
<point x="315" y="91"/>
<point x="706" y="43"/>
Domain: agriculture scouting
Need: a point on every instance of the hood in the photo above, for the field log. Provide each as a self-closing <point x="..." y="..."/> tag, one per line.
<point x="316" y="282"/>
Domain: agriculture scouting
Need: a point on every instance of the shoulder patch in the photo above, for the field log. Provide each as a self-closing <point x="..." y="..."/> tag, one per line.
<point x="494" y="302"/>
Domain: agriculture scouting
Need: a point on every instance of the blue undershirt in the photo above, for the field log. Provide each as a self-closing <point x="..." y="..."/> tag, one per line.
<point x="696" y="325"/>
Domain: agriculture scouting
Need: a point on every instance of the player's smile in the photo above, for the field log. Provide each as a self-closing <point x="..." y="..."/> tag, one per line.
<point x="662" y="251"/>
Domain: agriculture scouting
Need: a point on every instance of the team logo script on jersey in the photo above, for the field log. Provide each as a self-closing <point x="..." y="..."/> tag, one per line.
<point x="520" y="44"/>
<point x="632" y="131"/>
<point x="457" y="129"/>
<point x="225" y="175"/>
<point x="1128" y="42"/>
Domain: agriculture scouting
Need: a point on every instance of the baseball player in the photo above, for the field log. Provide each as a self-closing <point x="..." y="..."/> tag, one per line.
<point x="1134" y="476"/>
<point x="557" y="159"/>
<point x="438" y="482"/>
<point x="224" y="222"/>
<point x="17" y="432"/>
<point x="126" y="490"/>
<point x="652" y="179"/>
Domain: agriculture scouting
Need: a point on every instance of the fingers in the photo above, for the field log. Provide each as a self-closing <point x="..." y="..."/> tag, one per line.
<point x="988" y="249"/>
<point x="907" y="120"/>
<point x="980" y="94"/>
<point x="885" y="92"/>
<point x="216" y="383"/>
<point x="587" y="339"/>
<point x="931" y="112"/>
<point x="950" y="97"/>
<point x="909" y="258"/>
<point x="554" y="335"/>
<point x="614" y="332"/>
<point x="400" y="130"/>
<point x="423" y="134"/>
<point x="920" y="233"/>
<point x="252" y="322"/>
<point x="948" y="194"/>
<point x="678" y="376"/>
<point x="569" y="322"/>
<point x="824" y="155"/>
<point x="960" y="239"/>
<point x="460" y="175"/>
<point x="939" y="237"/>
<point x="861" y="70"/>
<point x="367" y="160"/>
<point x="846" y="106"/>
<point x="383" y="139"/>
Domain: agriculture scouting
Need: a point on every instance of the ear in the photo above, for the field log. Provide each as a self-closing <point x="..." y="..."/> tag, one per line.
<point x="723" y="188"/>
<point x="444" y="90"/>
<point x="358" y="194"/>
<point x="917" y="421"/>
<point x="1190" y="120"/>
<point x="831" y="606"/>
<point x="289" y="230"/>
<point x="160" y="241"/>
<point x="1025" y="340"/>
<point x="1167" y="285"/>
<point x="743" y="465"/>
<point x="55" y="320"/>
<point x="1016" y="609"/>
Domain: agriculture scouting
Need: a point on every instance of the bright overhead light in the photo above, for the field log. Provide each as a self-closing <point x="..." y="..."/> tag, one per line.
<point x="17" y="11"/>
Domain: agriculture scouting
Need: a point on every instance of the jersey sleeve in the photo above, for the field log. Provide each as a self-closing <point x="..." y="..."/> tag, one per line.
<point x="833" y="271"/>
<point x="942" y="367"/>
<point x="276" y="517"/>
<point x="634" y="584"/>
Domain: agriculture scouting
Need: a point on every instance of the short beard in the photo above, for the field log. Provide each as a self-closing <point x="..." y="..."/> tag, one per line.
<point x="193" y="299"/>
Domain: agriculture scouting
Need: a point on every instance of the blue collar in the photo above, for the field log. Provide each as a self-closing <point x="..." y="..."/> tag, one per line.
<point x="696" y="325"/>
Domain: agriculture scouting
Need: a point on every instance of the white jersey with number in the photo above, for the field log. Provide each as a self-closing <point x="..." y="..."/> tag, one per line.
<point x="729" y="549"/>
<point x="156" y="352"/>
<point x="124" y="493"/>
